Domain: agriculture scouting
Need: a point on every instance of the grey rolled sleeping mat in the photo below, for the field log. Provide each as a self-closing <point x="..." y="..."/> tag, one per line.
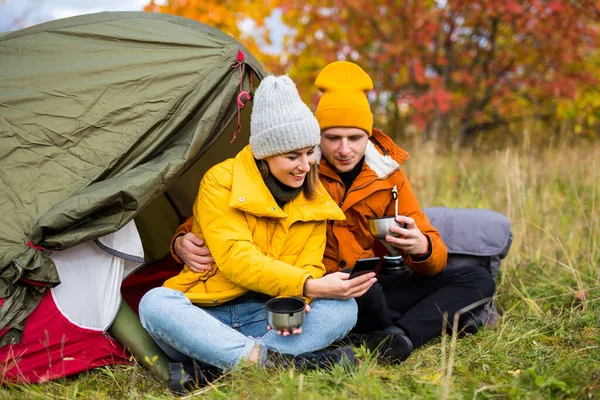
<point x="474" y="236"/>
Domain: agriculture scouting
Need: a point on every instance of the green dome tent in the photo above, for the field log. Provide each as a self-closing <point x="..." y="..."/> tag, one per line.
<point x="104" y="119"/>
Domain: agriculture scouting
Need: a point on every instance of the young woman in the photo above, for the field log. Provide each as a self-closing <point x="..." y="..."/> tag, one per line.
<point x="263" y="216"/>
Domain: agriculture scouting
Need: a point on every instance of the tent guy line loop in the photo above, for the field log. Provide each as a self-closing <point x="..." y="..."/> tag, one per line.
<point x="34" y="246"/>
<point x="243" y="95"/>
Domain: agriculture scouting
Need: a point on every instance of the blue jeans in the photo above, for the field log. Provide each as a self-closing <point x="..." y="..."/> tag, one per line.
<point x="225" y="335"/>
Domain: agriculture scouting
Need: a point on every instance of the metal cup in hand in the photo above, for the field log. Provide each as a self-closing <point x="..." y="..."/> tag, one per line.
<point x="380" y="227"/>
<point x="285" y="312"/>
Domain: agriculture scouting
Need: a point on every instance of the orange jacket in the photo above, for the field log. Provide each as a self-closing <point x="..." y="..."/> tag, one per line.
<point x="370" y="196"/>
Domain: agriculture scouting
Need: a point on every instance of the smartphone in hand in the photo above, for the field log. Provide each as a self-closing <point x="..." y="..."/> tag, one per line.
<point x="364" y="265"/>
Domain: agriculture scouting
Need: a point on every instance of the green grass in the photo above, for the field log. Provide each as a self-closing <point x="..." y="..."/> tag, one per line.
<point x="546" y="344"/>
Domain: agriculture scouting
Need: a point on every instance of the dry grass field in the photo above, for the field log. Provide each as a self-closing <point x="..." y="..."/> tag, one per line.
<point x="546" y="344"/>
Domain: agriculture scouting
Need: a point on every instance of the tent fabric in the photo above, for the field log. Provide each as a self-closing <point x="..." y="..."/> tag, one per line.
<point x="91" y="273"/>
<point x="99" y="114"/>
<point x="66" y="333"/>
<point x="53" y="347"/>
<point x="152" y="275"/>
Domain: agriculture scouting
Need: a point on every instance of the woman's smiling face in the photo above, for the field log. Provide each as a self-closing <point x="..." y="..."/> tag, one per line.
<point x="291" y="168"/>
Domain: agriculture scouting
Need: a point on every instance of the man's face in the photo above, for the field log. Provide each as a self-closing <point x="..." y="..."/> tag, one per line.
<point x="343" y="147"/>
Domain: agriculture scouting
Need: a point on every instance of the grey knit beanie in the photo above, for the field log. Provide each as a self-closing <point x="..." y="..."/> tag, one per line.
<point x="280" y="120"/>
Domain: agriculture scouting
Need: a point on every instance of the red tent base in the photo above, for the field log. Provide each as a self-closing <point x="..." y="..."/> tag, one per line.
<point x="150" y="276"/>
<point x="52" y="347"/>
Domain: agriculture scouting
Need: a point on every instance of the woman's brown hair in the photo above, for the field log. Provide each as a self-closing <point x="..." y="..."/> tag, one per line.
<point x="310" y="185"/>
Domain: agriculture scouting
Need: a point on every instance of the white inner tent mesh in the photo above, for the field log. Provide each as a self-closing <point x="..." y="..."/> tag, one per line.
<point x="91" y="274"/>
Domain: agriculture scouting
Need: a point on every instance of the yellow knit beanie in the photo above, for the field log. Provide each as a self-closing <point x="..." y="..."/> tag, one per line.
<point x="344" y="102"/>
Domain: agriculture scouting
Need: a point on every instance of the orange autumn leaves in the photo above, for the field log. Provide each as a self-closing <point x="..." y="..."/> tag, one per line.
<point x="235" y="18"/>
<point x="460" y="64"/>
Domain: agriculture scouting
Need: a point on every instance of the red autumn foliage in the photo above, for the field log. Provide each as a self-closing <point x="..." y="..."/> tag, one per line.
<point x="469" y="64"/>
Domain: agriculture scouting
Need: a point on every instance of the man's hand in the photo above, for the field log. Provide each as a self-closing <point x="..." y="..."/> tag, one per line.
<point x="409" y="239"/>
<point x="295" y="331"/>
<point x="189" y="248"/>
<point x="338" y="286"/>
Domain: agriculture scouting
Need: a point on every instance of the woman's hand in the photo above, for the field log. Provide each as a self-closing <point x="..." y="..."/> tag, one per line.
<point x="189" y="248"/>
<point x="295" y="331"/>
<point x="337" y="286"/>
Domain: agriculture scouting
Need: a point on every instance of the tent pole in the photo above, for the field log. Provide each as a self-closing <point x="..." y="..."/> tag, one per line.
<point x="129" y="332"/>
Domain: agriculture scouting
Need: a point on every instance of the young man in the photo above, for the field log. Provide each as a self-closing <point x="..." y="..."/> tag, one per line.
<point x="361" y="169"/>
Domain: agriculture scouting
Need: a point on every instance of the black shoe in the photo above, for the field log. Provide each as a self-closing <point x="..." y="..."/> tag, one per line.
<point x="355" y="339"/>
<point x="469" y="325"/>
<point x="190" y="375"/>
<point x="390" y="344"/>
<point x="320" y="359"/>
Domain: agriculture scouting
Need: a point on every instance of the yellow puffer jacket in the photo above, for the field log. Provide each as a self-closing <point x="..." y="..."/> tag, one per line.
<point x="256" y="245"/>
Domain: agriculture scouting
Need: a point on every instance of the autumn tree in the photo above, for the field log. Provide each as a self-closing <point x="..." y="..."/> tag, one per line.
<point x="242" y="19"/>
<point x="580" y="117"/>
<point x="451" y="66"/>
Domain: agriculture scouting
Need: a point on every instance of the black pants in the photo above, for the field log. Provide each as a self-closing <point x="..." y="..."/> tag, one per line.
<point x="417" y="303"/>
